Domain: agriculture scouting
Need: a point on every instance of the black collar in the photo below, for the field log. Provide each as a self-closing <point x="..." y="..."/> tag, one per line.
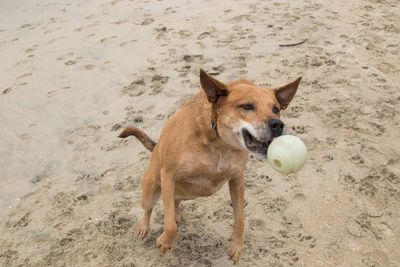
<point x="214" y="126"/>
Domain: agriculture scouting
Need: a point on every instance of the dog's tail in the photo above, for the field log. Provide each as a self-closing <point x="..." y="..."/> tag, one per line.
<point x="139" y="134"/>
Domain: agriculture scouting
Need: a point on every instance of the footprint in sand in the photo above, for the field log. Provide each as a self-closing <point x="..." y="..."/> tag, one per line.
<point x="328" y="158"/>
<point x="108" y="39"/>
<point x="266" y="84"/>
<point x="90" y="67"/>
<point x="135" y="88"/>
<point x="27" y="26"/>
<point x="263" y="178"/>
<point x="357" y="159"/>
<point x="20" y="222"/>
<point x="161" y="29"/>
<point x="157" y="83"/>
<point x="295" y="205"/>
<point x="189" y="61"/>
<point x="185" y="33"/>
<point x="147" y="21"/>
<point x="51" y="93"/>
<point x="51" y="41"/>
<point x="119" y="22"/>
<point x="31" y="49"/>
<point x="57" y="20"/>
<point x="22" y="62"/>
<point x="69" y="54"/>
<point x="52" y="30"/>
<point x="70" y="62"/>
<point x="275" y="205"/>
<point x="90" y="16"/>
<point x="300" y="129"/>
<point x="308" y="240"/>
<point x="90" y="35"/>
<point x="374" y="258"/>
<point x="162" y="33"/>
<point x="6" y="91"/>
<point x="24" y="75"/>
<point x="203" y="35"/>
<point x="127" y="42"/>
<point x="193" y="58"/>
<point x="170" y="10"/>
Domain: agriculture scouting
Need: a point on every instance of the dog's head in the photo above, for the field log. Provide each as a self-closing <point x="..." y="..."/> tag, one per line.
<point x="248" y="116"/>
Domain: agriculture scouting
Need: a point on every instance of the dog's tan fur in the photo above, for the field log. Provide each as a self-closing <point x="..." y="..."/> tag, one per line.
<point x="200" y="149"/>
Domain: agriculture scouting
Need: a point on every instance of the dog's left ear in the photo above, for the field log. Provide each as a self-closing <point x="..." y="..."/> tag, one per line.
<point x="286" y="93"/>
<point x="213" y="88"/>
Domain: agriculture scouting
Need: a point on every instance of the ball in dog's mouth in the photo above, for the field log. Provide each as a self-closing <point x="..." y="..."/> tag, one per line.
<point x="254" y="145"/>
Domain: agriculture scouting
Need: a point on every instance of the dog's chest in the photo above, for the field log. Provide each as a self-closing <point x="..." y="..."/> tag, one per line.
<point x="211" y="165"/>
<point x="204" y="175"/>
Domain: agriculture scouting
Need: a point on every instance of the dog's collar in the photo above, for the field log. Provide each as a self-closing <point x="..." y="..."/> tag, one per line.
<point x="214" y="126"/>
<point x="214" y="117"/>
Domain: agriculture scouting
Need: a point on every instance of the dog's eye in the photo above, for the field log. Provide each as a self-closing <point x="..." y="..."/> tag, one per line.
<point x="275" y="110"/>
<point x="248" y="107"/>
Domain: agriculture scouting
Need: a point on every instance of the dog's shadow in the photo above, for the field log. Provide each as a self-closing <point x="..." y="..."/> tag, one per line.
<point x="194" y="242"/>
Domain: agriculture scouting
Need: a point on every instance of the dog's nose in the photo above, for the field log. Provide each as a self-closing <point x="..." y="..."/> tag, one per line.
<point x="276" y="127"/>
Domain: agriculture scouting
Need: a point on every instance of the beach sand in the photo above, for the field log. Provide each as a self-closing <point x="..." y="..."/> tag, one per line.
<point x="74" y="72"/>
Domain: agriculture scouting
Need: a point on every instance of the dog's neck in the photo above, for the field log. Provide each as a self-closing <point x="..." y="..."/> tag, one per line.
<point x="214" y="118"/>
<point x="203" y="119"/>
<point x="207" y="118"/>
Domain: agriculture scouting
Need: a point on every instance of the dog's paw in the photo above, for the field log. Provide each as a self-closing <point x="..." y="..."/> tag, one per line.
<point x="143" y="230"/>
<point x="234" y="251"/>
<point x="164" y="243"/>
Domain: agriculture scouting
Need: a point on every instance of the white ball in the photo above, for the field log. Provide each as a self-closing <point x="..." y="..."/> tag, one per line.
<point x="287" y="154"/>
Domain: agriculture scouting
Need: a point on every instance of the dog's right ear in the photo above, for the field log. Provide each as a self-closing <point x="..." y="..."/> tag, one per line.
<point x="213" y="88"/>
<point x="286" y="93"/>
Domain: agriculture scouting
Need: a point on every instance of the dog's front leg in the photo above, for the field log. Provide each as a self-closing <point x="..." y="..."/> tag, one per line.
<point x="167" y="238"/>
<point x="236" y="189"/>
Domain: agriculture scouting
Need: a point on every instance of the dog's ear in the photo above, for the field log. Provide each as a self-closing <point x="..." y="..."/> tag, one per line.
<point x="213" y="88"/>
<point x="286" y="93"/>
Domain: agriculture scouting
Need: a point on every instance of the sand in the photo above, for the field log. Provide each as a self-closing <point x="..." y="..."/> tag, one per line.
<point x="74" y="72"/>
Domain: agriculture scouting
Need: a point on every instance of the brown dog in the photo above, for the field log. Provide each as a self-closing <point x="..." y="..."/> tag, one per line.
<point x="205" y="144"/>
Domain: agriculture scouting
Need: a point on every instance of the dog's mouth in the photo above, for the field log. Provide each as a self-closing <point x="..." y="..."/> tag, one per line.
<point x="254" y="145"/>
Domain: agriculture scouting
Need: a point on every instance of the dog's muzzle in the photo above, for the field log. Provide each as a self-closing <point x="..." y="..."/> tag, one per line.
<point x="275" y="127"/>
<point x="259" y="145"/>
<point x="255" y="146"/>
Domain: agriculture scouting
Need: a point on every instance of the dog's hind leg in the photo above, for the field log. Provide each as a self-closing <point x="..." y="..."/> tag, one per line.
<point x="150" y="194"/>
<point x="167" y="238"/>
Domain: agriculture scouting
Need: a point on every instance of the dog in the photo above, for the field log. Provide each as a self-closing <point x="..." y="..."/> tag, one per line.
<point x="207" y="143"/>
